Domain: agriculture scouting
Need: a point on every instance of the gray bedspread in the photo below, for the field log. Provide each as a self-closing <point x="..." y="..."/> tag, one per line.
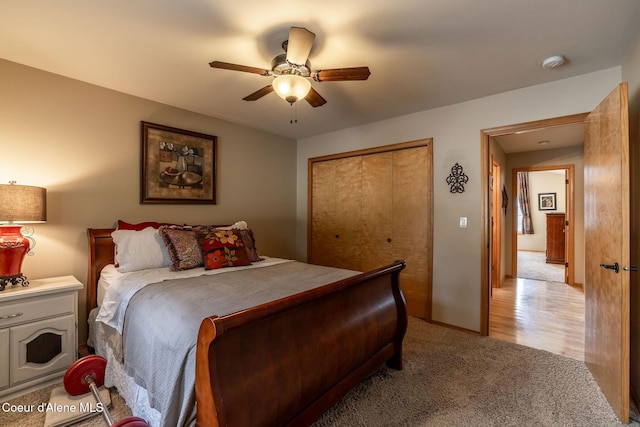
<point x="162" y="321"/>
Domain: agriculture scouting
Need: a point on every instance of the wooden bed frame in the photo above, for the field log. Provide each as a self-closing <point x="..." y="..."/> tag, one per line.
<point x="288" y="361"/>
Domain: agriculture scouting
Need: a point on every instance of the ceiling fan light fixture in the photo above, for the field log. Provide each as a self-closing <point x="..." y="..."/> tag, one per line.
<point x="291" y="87"/>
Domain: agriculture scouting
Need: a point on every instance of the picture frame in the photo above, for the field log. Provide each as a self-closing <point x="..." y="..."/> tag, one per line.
<point x="177" y="166"/>
<point x="547" y="201"/>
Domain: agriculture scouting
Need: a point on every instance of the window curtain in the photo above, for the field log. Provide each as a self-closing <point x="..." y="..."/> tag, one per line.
<point x="523" y="201"/>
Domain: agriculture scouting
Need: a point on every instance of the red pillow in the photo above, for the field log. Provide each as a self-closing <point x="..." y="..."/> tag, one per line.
<point x="222" y="248"/>
<point x="122" y="225"/>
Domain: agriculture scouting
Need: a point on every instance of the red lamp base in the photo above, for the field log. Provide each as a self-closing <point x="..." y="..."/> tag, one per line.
<point x="13" y="247"/>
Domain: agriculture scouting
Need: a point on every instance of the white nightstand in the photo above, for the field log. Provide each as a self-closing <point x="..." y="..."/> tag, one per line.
<point x="38" y="334"/>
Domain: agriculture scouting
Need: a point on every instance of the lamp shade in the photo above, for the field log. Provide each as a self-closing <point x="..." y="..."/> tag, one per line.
<point x="22" y="203"/>
<point x="291" y="87"/>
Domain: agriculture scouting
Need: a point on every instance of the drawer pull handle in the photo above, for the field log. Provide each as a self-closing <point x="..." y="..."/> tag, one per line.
<point x="11" y="316"/>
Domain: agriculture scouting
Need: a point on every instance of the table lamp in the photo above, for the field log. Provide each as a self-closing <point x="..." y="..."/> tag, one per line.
<point x="19" y="204"/>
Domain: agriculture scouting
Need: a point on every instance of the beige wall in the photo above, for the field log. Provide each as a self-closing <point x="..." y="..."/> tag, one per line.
<point x="82" y="143"/>
<point x="456" y="133"/>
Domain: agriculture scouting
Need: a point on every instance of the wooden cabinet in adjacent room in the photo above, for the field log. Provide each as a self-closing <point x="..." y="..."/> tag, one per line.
<point x="371" y="207"/>
<point x="555" y="238"/>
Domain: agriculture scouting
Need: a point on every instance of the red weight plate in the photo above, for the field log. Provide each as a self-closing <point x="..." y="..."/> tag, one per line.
<point x="75" y="379"/>
<point x="130" y="422"/>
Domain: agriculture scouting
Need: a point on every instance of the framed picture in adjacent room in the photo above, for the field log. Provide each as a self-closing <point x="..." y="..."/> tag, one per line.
<point x="547" y="201"/>
<point x="178" y="166"/>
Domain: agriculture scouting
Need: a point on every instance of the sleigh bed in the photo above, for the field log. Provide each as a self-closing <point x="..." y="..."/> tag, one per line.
<point x="281" y="362"/>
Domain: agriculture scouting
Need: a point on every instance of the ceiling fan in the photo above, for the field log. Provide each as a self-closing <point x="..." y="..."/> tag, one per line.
<point x="292" y="71"/>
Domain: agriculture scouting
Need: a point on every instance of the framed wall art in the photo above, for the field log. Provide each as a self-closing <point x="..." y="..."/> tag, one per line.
<point x="547" y="201"/>
<point x="178" y="166"/>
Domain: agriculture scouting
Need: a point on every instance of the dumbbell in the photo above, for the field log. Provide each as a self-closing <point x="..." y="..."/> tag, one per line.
<point x="87" y="374"/>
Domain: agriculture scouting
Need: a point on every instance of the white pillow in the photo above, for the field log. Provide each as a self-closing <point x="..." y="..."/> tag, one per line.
<point x="139" y="250"/>
<point x="240" y="225"/>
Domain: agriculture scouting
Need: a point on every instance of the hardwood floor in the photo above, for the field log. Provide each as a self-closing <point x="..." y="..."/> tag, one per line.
<point x="544" y="315"/>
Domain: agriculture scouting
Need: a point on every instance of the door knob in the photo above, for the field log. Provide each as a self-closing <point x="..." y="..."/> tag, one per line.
<point x="615" y="267"/>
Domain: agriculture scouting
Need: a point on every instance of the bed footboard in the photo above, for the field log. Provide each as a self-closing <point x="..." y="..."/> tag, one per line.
<point x="287" y="362"/>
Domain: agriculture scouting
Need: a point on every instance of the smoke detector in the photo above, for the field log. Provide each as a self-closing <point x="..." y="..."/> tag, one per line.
<point x="553" y="62"/>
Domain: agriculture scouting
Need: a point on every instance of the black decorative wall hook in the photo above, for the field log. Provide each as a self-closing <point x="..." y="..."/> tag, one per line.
<point x="457" y="179"/>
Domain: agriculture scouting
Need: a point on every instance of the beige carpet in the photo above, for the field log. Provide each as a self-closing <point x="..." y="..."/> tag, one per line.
<point x="452" y="378"/>
<point x="532" y="265"/>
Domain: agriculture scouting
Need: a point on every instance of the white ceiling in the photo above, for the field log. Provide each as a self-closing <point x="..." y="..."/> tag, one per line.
<point x="422" y="53"/>
<point x="542" y="139"/>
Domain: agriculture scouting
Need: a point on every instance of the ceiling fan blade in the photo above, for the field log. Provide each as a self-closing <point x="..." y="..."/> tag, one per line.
<point x="342" y="74"/>
<point x="299" y="45"/>
<point x="259" y="93"/>
<point x="314" y="98"/>
<point x="236" y="67"/>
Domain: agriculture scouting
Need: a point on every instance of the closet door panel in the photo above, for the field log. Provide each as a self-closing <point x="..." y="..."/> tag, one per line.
<point x="346" y="250"/>
<point x="323" y="205"/>
<point x="372" y="207"/>
<point x="377" y="212"/>
<point x="336" y="213"/>
<point x="412" y="212"/>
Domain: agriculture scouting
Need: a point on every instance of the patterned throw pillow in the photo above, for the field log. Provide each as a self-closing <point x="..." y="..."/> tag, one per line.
<point x="182" y="246"/>
<point x="249" y="243"/>
<point x="222" y="248"/>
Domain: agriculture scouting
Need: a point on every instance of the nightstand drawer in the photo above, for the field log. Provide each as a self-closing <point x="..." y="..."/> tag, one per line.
<point x="26" y="310"/>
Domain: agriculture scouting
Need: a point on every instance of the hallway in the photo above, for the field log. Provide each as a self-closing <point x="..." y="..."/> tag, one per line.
<point x="539" y="314"/>
<point x="532" y="265"/>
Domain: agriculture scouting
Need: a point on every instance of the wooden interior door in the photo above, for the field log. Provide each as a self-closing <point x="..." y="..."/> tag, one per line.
<point x="496" y="224"/>
<point x="566" y="227"/>
<point x="607" y="234"/>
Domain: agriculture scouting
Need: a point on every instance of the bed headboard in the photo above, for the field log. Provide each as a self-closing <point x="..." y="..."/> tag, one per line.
<point x="101" y="250"/>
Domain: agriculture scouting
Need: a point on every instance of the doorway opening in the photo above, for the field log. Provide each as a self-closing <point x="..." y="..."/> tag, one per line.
<point x="543" y="223"/>
<point x="506" y="236"/>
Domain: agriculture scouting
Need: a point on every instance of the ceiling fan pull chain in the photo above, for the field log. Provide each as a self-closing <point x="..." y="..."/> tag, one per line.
<point x="294" y="113"/>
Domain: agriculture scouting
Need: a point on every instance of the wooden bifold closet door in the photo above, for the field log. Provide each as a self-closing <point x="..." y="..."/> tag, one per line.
<point x="369" y="208"/>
